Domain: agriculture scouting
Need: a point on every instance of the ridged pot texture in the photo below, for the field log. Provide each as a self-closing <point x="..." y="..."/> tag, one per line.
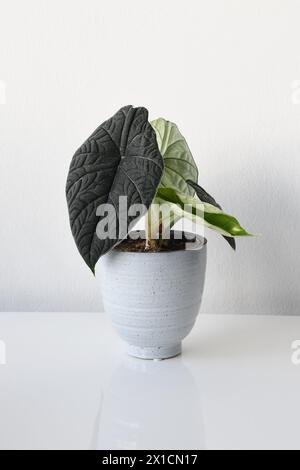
<point x="153" y="299"/>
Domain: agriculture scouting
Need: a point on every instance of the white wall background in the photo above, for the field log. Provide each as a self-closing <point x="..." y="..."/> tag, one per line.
<point x="223" y="70"/>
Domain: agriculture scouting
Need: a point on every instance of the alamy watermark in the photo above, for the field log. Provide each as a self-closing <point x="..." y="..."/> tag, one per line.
<point x="295" y="358"/>
<point x="2" y="353"/>
<point x="118" y="219"/>
<point x="2" y="92"/>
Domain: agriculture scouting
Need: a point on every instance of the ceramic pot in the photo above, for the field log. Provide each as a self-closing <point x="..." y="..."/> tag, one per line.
<point x="153" y="299"/>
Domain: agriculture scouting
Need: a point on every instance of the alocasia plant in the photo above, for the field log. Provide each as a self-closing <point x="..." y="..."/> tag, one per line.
<point x="146" y="163"/>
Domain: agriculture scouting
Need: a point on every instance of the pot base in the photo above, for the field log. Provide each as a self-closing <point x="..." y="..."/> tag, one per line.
<point x="158" y="353"/>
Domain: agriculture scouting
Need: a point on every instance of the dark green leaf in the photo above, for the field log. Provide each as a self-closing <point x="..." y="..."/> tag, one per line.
<point x="121" y="158"/>
<point x="205" y="197"/>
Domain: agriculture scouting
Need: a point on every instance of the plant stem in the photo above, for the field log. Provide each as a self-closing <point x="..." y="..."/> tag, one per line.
<point x="151" y="243"/>
<point x="148" y="228"/>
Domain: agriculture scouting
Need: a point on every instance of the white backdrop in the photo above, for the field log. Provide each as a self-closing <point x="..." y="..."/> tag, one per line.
<point x="226" y="71"/>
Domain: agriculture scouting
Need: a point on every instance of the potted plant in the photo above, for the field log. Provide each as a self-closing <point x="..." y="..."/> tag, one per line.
<point x="152" y="281"/>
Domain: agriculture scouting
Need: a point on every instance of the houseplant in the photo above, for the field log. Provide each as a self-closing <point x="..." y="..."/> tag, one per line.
<point x="152" y="280"/>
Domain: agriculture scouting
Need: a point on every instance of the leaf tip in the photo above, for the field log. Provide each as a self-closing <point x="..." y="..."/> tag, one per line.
<point x="231" y="242"/>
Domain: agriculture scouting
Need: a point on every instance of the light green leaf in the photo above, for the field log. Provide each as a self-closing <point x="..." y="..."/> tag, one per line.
<point x="203" y="212"/>
<point x="179" y="164"/>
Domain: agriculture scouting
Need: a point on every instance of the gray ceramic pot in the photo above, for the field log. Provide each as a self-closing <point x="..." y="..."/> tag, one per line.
<point x="153" y="299"/>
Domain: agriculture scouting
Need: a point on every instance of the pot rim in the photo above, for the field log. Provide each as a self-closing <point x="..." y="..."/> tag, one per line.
<point x="202" y="242"/>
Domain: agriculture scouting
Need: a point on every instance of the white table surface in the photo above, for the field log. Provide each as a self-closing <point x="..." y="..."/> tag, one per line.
<point x="67" y="384"/>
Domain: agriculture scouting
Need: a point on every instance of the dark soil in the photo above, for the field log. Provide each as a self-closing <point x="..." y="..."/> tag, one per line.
<point x="156" y="246"/>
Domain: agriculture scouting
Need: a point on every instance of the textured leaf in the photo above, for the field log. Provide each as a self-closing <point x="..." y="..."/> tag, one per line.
<point x="179" y="164"/>
<point x="121" y="158"/>
<point x="205" y="197"/>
